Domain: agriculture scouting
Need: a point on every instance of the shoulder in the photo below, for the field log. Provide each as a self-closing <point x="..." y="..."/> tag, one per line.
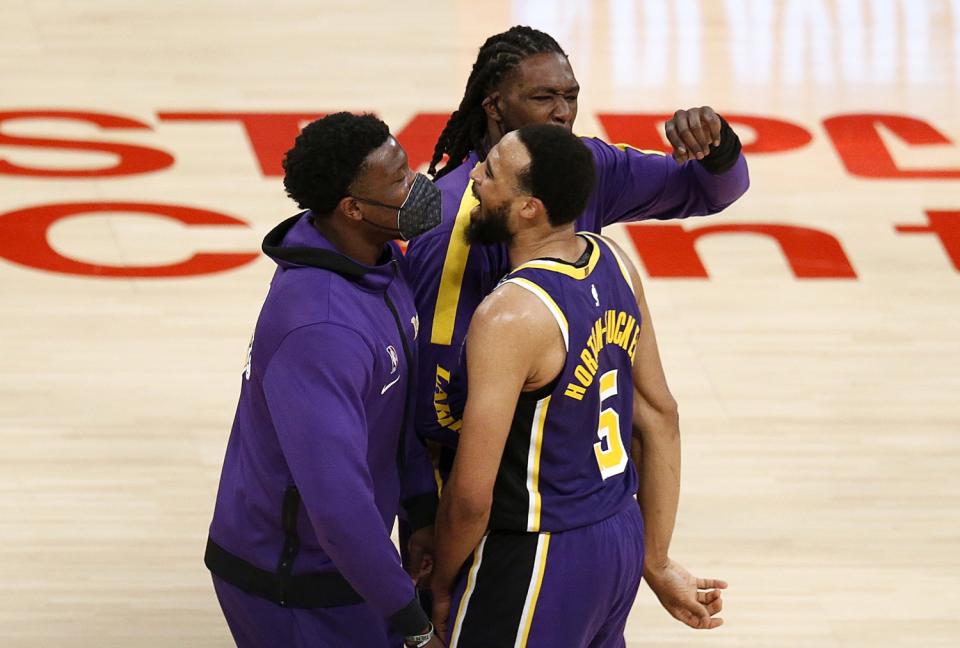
<point x="298" y="296"/>
<point x="514" y="309"/>
<point x="327" y="349"/>
<point x="330" y="335"/>
<point x="304" y="297"/>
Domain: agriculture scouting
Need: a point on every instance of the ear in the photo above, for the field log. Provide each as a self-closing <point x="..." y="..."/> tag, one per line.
<point x="350" y="207"/>
<point x="531" y="208"/>
<point x="493" y="108"/>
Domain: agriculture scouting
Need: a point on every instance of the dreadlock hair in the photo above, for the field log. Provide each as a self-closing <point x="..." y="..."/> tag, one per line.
<point x="500" y="54"/>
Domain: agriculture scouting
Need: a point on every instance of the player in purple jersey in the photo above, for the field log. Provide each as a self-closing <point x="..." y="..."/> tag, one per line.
<point x="541" y="491"/>
<point x="522" y="76"/>
<point x="322" y="452"/>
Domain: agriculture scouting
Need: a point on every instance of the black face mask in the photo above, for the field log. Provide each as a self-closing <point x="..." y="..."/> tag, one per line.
<point x="419" y="213"/>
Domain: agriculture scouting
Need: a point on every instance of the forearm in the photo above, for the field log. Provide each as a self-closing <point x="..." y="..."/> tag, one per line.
<point x="719" y="190"/>
<point x="659" y="473"/>
<point x="419" y="489"/>
<point x="459" y="530"/>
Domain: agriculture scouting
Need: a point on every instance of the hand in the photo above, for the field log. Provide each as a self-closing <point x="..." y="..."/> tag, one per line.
<point x="692" y="132"/>
<point x="693" y="601"/>
<point x="420" y="555"/>
<point x="441" y="612"/>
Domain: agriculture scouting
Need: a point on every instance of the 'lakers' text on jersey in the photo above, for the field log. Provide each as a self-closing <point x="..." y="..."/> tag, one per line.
<point x="566" y="463"/>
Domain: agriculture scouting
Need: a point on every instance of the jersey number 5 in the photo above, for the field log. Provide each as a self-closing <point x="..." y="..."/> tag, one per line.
<point x="611" y="457"/>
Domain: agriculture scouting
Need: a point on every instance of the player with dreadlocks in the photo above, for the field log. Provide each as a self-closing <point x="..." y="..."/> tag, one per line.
<point x="522" y="77"/>
<point x="467" y="128"/>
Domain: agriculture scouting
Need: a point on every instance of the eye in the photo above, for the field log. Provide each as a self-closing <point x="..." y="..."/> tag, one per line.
<point x="542" y="98"/>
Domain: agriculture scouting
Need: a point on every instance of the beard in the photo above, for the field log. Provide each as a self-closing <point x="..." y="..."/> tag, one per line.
<point x="490" y="228"/>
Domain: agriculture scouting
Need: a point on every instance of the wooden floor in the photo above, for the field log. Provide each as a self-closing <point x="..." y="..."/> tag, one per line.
<point x="821" y="414"/>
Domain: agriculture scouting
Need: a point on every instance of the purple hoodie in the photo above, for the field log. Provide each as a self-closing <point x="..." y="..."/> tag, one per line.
<point x="314" y="474"/>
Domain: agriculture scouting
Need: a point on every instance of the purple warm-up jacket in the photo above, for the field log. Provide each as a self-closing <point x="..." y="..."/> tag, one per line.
<point x="322" y="451"/>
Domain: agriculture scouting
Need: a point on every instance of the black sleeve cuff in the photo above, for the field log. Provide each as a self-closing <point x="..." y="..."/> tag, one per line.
<point x="721" y="158"/>
<point x="421" y="510"/>
<point x="410" y="620"/>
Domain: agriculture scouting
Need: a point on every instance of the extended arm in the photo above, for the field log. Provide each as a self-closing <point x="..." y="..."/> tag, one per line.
<point x="656" y="425"/>
<point x="634" y="185"/>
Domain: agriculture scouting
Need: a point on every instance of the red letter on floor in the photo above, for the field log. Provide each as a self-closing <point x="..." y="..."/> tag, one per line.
<point x="864" y="154"/>
<point x="419" y="137"/>
<point x="271" y="134"/>
<point x="669" y="251"/>
<point x="23" y="240"/>
<point x="131" y="159"/>
<point x="946" y="225"/>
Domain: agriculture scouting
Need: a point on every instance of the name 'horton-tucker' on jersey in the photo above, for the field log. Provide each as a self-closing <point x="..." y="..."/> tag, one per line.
<point x="565" y="463"/>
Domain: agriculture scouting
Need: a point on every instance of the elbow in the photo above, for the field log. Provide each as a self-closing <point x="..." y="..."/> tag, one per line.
<point x="669" y="413"/>
<point x="656" y="421"/>
<point x="670" y="410"/>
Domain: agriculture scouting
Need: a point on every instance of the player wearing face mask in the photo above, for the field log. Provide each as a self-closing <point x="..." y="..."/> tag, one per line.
<point x="322" y="453"/>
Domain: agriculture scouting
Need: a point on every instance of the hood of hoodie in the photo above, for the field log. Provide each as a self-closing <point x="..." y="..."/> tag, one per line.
<point x="296" y="243"/>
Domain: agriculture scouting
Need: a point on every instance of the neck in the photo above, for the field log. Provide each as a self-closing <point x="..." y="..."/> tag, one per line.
<point x="351" y="241"/>
<point x="546" y="241"/>
<point x="493" y="135"/>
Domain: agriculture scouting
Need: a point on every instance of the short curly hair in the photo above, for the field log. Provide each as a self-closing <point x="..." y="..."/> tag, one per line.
<point x="561" y="172"/>
<point x="327" y="156"/>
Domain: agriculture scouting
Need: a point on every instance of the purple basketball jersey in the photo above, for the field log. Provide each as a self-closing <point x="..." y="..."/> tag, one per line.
<point x="566" y="463"/>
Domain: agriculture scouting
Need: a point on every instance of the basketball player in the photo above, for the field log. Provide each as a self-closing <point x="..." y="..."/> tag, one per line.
<point x="541" y="493"/>
<point x="321" y="448"/>
<point x="522" y="77"/>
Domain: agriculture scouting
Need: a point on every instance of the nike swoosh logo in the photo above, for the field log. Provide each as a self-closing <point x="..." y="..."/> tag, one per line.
<point x="388" y="386"/>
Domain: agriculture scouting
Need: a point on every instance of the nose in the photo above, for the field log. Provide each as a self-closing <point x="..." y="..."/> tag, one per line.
<point x="561" y="111"/>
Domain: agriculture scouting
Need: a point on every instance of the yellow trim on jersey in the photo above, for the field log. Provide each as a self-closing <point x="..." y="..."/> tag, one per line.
<point x="565" y="268"/>
<point x="530" y="605"/>
<point x="468" y="592"/>
<point x="433" y="449"/>
<point x="533" y="464"/>
<point x="624" y="147"/>
<point x="616" y="255"/>
<point x="548" y="301"/>
<point x="451" y="278"/>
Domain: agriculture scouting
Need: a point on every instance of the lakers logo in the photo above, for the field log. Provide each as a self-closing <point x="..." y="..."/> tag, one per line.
<point x="394" y="359"/>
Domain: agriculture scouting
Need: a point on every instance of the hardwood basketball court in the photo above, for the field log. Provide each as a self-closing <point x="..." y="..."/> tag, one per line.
<point x="810" y="332"/>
